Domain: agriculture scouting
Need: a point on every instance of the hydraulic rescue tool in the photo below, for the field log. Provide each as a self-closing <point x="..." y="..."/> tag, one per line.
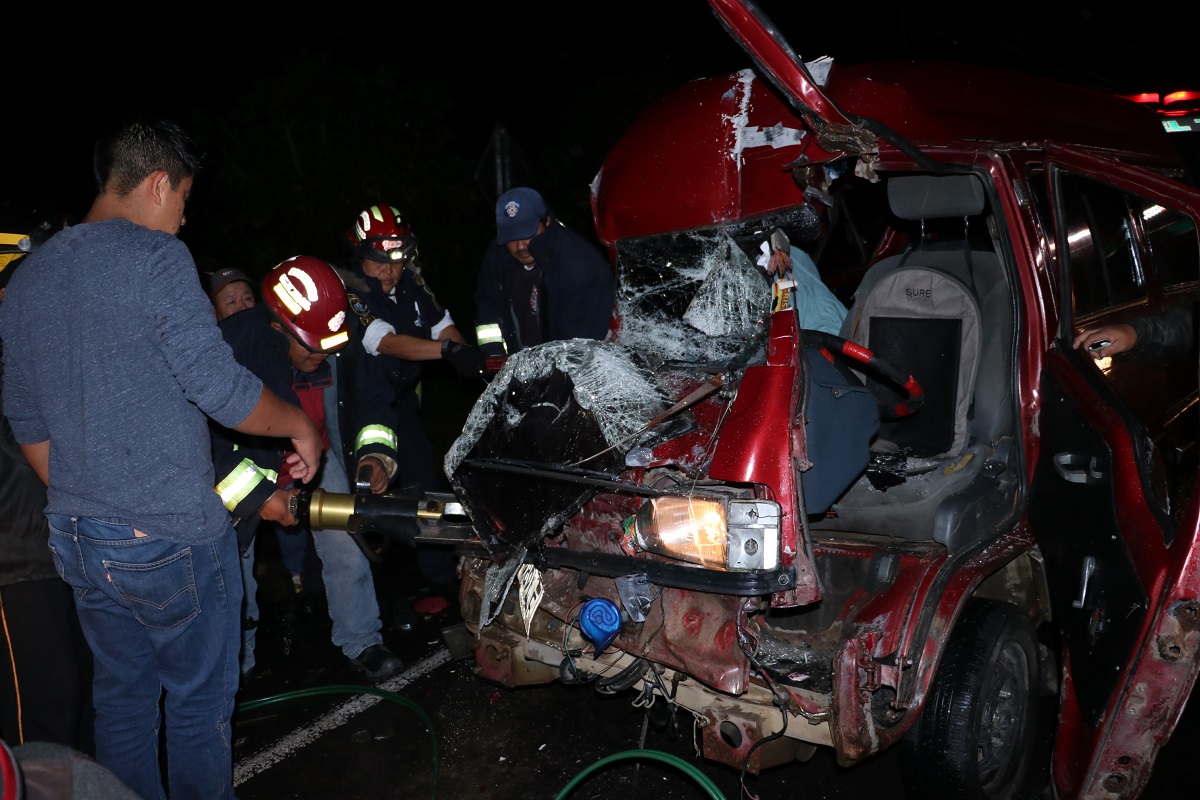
<point x="434" y="517"/>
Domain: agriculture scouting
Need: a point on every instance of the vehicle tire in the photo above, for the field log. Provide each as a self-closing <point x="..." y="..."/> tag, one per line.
<point x="976" y="736"/>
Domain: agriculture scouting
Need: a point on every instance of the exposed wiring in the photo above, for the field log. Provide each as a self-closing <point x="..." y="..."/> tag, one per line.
<point x="777" y="734"/>
<point x="779" y="697"/>
<point x="662" y="613"/>
<point x="12" y="660"/>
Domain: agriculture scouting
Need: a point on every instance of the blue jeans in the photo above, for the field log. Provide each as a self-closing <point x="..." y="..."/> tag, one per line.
<point x="346" y="573"/>
<point x="160" y="617"/>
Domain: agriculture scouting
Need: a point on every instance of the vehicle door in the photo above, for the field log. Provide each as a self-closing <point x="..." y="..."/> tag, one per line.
<point x="1113" y="506"/>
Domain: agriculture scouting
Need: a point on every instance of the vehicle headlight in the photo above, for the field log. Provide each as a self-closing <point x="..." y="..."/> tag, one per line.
<point x="717" y="534"/>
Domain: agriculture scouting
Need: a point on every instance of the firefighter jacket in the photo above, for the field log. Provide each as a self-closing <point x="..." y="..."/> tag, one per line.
<point x="414" y="311"/>
<point x="575" y="299"/>
<point x="248" y="467"/>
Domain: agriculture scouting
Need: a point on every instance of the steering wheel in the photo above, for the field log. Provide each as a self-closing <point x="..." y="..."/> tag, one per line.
<point x="914" y="394"/>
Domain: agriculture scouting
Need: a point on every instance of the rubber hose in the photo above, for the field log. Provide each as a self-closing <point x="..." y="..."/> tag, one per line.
<point x="250" y="705"/>
<point x="654" y="755"/>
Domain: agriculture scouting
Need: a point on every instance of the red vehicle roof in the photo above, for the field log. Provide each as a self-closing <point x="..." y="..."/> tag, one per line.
<point x="710" y="153"/>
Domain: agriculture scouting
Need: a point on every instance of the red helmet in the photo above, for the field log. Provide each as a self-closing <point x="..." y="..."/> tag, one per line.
<point x="381" y="235"/>
<point x="308" y="297"/>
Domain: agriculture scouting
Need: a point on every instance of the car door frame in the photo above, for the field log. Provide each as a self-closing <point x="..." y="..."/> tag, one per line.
<point x="1114" y="751"/>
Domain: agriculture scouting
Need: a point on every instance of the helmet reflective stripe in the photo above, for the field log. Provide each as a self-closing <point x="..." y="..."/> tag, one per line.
<point x="291" y="294"/>
<point x="244" y="479"/>
<point x="380" y="221"/>
<point x="364" y="221"/>
<point x="489" y="334"/>
<point x="376" y="434"/>
<point x="307" y="297"/>
<point x="337" y="340"/>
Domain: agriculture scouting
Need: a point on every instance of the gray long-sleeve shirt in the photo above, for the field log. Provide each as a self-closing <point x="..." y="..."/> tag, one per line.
<point x="112" y="353"/>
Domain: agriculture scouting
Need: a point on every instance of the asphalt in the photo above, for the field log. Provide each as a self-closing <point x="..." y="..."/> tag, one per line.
<point x="309" y="726"/>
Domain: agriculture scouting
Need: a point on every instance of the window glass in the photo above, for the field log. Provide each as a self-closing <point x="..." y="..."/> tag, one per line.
<point x="1174" y="251"/>
<point x="1102" y="256"/>
<point x="1128" y="256"/>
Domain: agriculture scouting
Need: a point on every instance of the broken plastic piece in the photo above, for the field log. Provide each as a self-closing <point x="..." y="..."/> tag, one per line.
<point x="636" y="594"/>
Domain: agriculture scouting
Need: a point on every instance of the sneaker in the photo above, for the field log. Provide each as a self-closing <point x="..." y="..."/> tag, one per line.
<point x="377" y="662"/>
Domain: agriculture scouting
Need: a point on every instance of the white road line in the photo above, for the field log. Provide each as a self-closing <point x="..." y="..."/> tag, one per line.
<point x="264" y="759"/>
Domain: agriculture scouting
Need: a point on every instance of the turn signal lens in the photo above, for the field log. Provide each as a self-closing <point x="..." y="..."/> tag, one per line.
<point x="736" y="534"/>
<point x="688" y="529"/>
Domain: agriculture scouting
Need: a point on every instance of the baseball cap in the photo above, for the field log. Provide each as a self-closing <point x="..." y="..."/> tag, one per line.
<point x="517" y="213"/>
<point x="223" y="277"/>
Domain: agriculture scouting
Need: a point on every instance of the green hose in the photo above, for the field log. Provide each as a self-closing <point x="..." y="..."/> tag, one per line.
<point x="250" y="705"/>
<point x="654" y="755"/>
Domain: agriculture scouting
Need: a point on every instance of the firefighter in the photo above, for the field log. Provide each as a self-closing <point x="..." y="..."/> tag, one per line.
<point x="302" y="343"/>
<point x="404" y="327"/>
<point x="539" y="281"/>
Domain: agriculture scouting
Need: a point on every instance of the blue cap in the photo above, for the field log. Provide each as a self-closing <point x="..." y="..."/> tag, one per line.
<point x="517" y="214"/>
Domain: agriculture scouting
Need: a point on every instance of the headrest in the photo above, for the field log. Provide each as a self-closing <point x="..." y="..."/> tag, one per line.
<point x="918" y="197"/>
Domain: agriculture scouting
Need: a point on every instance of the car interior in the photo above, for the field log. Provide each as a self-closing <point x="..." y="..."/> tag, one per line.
<point x="941" y="309"/>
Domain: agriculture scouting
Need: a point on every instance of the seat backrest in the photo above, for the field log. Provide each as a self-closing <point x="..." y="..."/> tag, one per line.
<point x="943" y="313"/>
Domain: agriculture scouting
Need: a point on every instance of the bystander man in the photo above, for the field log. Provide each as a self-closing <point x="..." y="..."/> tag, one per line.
<point x="109" y="408"/>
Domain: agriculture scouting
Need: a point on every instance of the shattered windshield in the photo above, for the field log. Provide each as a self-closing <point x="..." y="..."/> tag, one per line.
<point x="561" y="416"/>
<point x="683" y="299"/>
<point x="694" y="297"/>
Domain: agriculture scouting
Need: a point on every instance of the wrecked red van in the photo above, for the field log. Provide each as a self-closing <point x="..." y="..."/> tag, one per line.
<point x="837" y="477"/>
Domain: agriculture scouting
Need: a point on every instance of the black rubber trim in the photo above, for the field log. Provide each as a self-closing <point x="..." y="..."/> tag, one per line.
<point x="740" y="584"/>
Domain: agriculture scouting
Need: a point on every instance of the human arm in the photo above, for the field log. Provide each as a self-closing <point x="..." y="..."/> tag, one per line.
<point x="445" y="341"/>
<point x="1120" y="338"/>
<point x="38" y="456"/>
<point x="1167" y="334"/>
<point x="489" y="302"/>
<point x="275" y="417"/>
<point x="376" y="442"/>
<point x="278" y="507"/>
<point x="414" y="348"/>
<point x="410" y="348"/>
<point x="373" y="469"/>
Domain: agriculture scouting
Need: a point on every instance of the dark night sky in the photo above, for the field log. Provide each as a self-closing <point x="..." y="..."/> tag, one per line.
<point x="517" y="60"/>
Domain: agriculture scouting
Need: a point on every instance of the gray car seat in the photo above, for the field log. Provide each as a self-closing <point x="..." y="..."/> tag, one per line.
<point x="943" y="312"/>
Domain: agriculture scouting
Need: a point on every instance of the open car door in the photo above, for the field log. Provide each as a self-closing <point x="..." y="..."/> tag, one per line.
<point x="1113" y="502"/>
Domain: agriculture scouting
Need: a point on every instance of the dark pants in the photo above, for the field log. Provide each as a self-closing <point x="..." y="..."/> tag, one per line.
<point x="50" y="699"/>
<point x="418" y="467"/>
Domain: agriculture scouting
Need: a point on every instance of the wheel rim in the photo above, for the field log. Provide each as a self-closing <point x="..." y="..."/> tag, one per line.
<point x="1001" y="724"/>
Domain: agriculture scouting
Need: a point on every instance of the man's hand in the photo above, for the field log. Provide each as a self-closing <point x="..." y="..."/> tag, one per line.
<point x="464" y="358"/>
<point x="371" y="468"/>
<point x="278" y="507"/>
<point x="303" y="463"/>
<point x="1106" y="341"/>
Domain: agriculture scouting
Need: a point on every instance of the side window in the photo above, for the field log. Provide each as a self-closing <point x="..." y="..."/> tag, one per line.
<point x="1105" y="266"/>
<point x="1173" y="248"/>
<point x="1127" y="256"/>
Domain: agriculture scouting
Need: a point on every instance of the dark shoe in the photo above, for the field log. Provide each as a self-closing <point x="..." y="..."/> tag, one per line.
<point x="377" y="662"/>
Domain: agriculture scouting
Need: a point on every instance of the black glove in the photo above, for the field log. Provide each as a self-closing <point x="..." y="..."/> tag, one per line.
<point x="466" y="359"/>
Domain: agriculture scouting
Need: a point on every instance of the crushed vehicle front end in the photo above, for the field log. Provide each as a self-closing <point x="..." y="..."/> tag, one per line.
<point x="643" y="504"/>
<point x="727" y="508"/>
<point x="638" y="495"/>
